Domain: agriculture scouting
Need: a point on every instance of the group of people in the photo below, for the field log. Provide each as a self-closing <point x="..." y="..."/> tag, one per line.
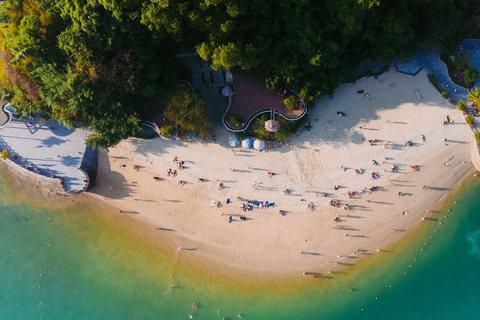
<point x="171" y="172"/>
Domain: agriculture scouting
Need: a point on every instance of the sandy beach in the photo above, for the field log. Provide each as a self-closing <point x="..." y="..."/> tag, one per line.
<point x="392" y="110"/>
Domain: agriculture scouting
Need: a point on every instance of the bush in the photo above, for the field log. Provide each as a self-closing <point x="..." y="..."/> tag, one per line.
<point x="236" y="120"/>
<point x="470" y="119"/>
<point x="470" y="74"/>
<point x="5" y="154"/>
<point x="433" y="79"/>
<point x="476" y="135"/>
<point x="461" y="106"/>
<point x="287" y="128"/>
<point x="167" y="131"/>
<point x="474" y="96"/>
<point x="259" y="128"/>
<point x="291" y="103"/>
<point x="240" y="135"/>
<point x="462" y="62"/>
<point x="445" y="94"/>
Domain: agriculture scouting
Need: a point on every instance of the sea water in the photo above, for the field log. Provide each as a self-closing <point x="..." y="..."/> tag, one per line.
<point x="76" y="262"/>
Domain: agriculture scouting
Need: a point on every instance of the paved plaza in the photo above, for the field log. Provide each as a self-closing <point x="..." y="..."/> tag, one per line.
<point x="47" y="147"/>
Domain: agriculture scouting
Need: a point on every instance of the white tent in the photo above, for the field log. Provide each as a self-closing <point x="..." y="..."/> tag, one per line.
<point x="247" y="143"/>
<point x="259" y="145"/>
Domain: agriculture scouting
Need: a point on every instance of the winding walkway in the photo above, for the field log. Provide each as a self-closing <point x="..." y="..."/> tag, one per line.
<point x="432" y="63"/>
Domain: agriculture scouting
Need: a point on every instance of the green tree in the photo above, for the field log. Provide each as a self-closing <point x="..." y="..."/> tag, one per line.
<point x="474" y="96"/>
<point x="236" y="120"/>
<point x="167" y="131"/>
<point x="470" y="119"/>
<point x="258" y="127"/>
<point x="291" y="103"/>
<point x="188" y="110"/>
<point x="470" y="74"/>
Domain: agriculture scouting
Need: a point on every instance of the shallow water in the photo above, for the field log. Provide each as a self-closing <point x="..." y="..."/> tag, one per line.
<point x="77" y="263"/>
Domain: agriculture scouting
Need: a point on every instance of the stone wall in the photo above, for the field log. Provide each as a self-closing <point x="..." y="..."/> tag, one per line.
<point x="89" y="165"/>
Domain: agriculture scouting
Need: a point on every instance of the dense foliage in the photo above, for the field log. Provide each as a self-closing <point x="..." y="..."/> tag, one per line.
<point x="462" y="106"/>
<point x="236" y="120"/>
<point x="291" y="103"/>
<point x="287" y="128"/>
<point x="188" y="110"/>
<point x="470" y="119"/>
<point x="474" y="96"/>
<point x="96" y="62"/>
<point x="167" y="131"/>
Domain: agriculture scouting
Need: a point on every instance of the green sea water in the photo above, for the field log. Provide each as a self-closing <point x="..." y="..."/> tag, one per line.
<point x="78" y="262"/>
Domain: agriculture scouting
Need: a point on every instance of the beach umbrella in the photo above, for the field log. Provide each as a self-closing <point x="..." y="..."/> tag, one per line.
<point x="233" y="141"/>
<point x="247" y="143"/>
<point x="259" y="145"/>
<point x="227" y="91"/>
<point x="272" y="125"/>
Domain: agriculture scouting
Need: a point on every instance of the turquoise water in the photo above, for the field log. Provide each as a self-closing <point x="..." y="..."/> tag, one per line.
<point x="77" y="263"/>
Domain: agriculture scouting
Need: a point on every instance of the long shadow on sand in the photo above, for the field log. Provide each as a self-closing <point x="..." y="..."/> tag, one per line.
<point x="118" y="188"/>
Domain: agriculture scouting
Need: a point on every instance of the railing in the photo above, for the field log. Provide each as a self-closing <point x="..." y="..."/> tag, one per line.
<point x="7" y="113"/>
<point x="154" y="127"/>
<point x="252" y="117"/>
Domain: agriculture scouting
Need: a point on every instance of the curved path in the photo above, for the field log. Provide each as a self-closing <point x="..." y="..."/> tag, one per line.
<point x="4" y="115"/>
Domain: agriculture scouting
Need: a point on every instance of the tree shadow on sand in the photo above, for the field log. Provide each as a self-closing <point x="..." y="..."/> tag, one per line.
<point x="117" y="186"/>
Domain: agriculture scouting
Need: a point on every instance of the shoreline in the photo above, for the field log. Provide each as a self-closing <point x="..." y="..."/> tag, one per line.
<point x="279" y="246"/>
<point x="164" y="245"/>
<point x="302" y="240"/>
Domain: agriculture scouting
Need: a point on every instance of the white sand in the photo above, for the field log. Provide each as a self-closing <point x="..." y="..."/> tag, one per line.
<point x="270" y="242"/>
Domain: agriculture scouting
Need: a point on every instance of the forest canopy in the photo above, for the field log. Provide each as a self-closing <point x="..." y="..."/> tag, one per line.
<point x="95" y="63"/>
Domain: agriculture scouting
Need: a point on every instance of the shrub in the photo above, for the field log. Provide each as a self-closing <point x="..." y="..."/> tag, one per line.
<point x="236" y="120"/>
<point x="5" y="154"/>
<point x="240" y="135"/>
<point x="445" y="94"/>
<point x="291" y="103"/>
<point x="474" y="96"/>
<point x="167" y="131"/>
<point x="462" y="62"/>
<point x="461" y="106"/>
<point x="470" y="74"/>
<point x="259" y="128"/>
<point x="470" y="119"/>
<point x="476" y="135"/>
<point x="287" y="128"/>
<point x="433" y="79"/>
